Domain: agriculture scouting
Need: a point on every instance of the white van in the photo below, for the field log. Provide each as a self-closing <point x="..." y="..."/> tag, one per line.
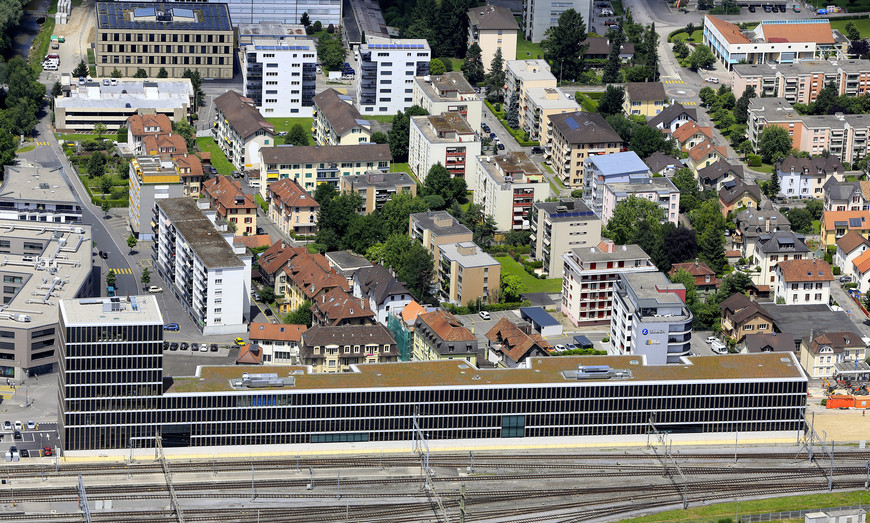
<point x="50" y="65"/>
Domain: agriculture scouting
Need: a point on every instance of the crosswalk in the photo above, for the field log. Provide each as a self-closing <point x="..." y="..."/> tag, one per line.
<point x="122" y="271"/>
<point x="40" y="143"/>
<point x="673" y="82"/>
<point x="686" y="104"/>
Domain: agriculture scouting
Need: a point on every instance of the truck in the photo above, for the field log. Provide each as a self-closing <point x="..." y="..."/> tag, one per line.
<point x="718" y="347"/>
<point x="110" y="291"/>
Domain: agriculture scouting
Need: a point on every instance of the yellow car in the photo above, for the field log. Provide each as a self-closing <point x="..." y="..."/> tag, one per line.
<point x="239" y="341"/>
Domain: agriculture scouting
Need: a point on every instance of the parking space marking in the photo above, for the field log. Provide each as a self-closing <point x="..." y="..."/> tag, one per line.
<point x="147" y="262"/>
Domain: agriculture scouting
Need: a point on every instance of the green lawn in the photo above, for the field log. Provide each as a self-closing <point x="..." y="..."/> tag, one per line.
<point x="284" y="124"/>
<point x="527" y="50"/>
<point x="863" y="25"/>
<point x="400" y="167"/>
<point x="510" y="266"/>
<point x="25" y="149"/>
<point x="218" y="160"/>
<point x="40" y="45"/>
<point x="586" y="102"/>
<point x="696" y="37"/>
<point x="758" y="506"/>
<point x="383" y="118"/>
<point x="84" y="137"/>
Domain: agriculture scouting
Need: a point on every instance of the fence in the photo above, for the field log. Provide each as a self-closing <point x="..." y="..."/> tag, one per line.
<point x="793" y="514"/>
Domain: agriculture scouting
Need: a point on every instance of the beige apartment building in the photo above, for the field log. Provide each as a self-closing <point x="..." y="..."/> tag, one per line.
<point x="377" y="188"/>
<point x="439" y="335"/>
<point x="292" y="209"/>
<point x="541" y="104"/>
<point x="574" y="137"/>
<point x="506" y="186"/>
<point x="173" y="36"/>
<point x="449" y="93"/>
<point x="801" y="82"/>
<point x="240" y="130"/>
<point x="337" y="122"/>
<point x="492" y="28"/>
<point x="558" y="227"/>
<point x="522" y="75"/>
<point x="436" y="228"/>
<point x="644" y="98"/>
<point x="232" y="204"/>
<point x="466" y="274"/>
<point x="335" y="349"/>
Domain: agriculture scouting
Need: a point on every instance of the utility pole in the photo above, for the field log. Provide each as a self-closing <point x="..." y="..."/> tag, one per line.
<point x="462" y="504"/>
<point x="253" y="493"/>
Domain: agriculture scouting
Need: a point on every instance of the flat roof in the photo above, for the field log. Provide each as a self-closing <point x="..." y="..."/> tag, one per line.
<point x="574" y="209"/>
<point x="800" y="320"/>
<point x="379" y="180"/>
<point x="139" y="94"/>
<point x="452" y="82"/>
<point x="650" y="286"/>
<point x="198" y="231"/>
<point x="442" y="123"/>
<point x="657" y="185"/>
<point x="630" y="251"/>
<point x="539" y="316"/>
<point x="272" y="29"/>
<point x="551" y="98"/>
<point x="74" y="261"/>
<point x="127" y="310"/>
<point x="35" y="183"/>
<point x="459" y="373"/>
<point x="803" y="67"/>
<point x="158" y="16"/>
<point x="530" y="70"/>
<point x="618" y="163"/>
<point x="440" y="223"/>
<point x="517" y="164"/>
<point x="473" y="255"/>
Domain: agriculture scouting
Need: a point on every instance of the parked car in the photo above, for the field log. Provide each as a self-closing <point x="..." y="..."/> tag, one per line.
<point x="484" y="315"/>
<point x="845" y="279"/>
<point x="173" y="346"/>
<point x="711" y="339"/>
<point x="104" y="255"/>
<point x="571" y="346"/>
<point x="25" y="453"/>
<point x="239" y="341"/>
<point x="17" y="435"/>
<point x="184" y="345"/>
<point x="194" y="347"/>
<point x="31" y="425"/>
<point x="214" y="347"/>
<point x="537" y="150"/>
<point x="46" y="451"/>
<point x="255" y="296"/>
<point x="711" y="80"/>
<point x="153" y="289"/>
<point x="18" y="425"/>
<point x="752" y="9"/>
<point x="7" y="425"/>
<point x="492" y="136"/>
<point x="796" y="8"/>
<point x="766" y="8"/>
<point x="267" y="312"/>
<point x="501" y="147"/>
<point x="261" y="230"/>
<point x="171" y="327"/>
<point x="560" y="348"/>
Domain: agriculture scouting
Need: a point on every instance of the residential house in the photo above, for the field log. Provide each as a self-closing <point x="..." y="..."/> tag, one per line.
<point x="337" y="121"/>
<point x="436" y="228"/>
<point x="691" y="134"/>
<point x="465" y="274"/>
<point x="381" y="291"/>
<point x="705" y="278"/>
<point x="272" y="263"/>
<point x="240" y="130"/>
<point x="704" y="154"/>
<point x="233" y="206"/>
<point x="377" y="188"/>
<point x="660" y="191"/>
<point x="673" y="117"/>
<point x="835" y="224"/>
<point x="541" y="104"/>
<point x="717" y="174"/>
<point x="849" y="246"/>
<point x="644" y="98"/>
<point x="141" y="125"/>
<point x="742" y="316"/>
<point x="446" y="139"/>
<point x="860" y="271"/>
<point x="163" y="144"/>
<point x="806" y="177"/>
<point x="338" y="348"/>
<point x="660" y="163"/>
<point x="492" y="27"/>
<point x="509" y="345"/>
<point x="821" y="352"/>
<point x="735" y="194"/>
<point x="773" y="342"/>
<point x="599" y="47"/>
<point x="189" y="168"/>
<point x="336" y="307"/>
<point x="608" y="169"/>
<point x="575" y="137"/>
<point x="279" y="342"/>
<point x="449" y="93"/>
<point x="753" y="223"/>
<point x="440" y="335"/>
<point x="846" y="196"/>
<point x="558" y="227"/>
<point x="309" y="277"/>
<point x="292" y="209"/>
<point x="506" y="186"/>
<point x="771" y="249"/>
<point x="346" y="263"/>
<point x="802" y="282"/>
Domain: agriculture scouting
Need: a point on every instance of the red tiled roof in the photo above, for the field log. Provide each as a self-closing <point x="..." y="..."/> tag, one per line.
<point x="515" y="344"/>
<point x="188" y="164"/>
<point x="806" y="270"/>
<point x="276" y="256"/>
<point x="276" y="331"/>
<point x="291" y="194"/>
<point x="138" y="122"/>
<point x="335" y="306"/>
<point x="830" y="218"/>
<point x="687" y="130"/>
<point x="223" y="191"/>
<point x="704" y="148"/>
<point x="862" y="262"/>
<point x="729" y="31"/>
<point x="253" y="241"/>
<point x="446" y="326"/>
<point x="250" y="354"/>
<point x="152" y="143"/>
<point x="411" y="311"/>
<point x="811" y="31"/>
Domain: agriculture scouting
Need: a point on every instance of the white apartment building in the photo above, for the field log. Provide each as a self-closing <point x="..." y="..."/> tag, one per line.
<point x="540" y="15"/>
<point x="589" y="274"/>
<point x="803" y="282"/>
<point x="558" y="227"/>
<point x="449" y="93"/>
<point x="279" y="76"/>
<point x="613" y="168"/>
<point x="208" y="275"/>
<point x="506" y="186"/>
<point x="770" y="249"/>
<point x="240" y="130"/>
<point x="446" y="139"/>
<point x="660" y="191"/>
<point x="387" y="70"/>
<point x="31" y="192"/>
<point x="650" y="318"/>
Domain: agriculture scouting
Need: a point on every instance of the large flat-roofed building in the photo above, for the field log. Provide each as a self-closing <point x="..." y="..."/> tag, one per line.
<point x="449" y="93"/>
<point x="377" y="188"/>
<point x="446" y="139"/>
<point x="387" y="71"/>
<point x="609" y="169"/>
<point x="801" y="82"/>
<point x="151" y="178"/>
<point x="210" y="277"/>
<point x="37" y="193"/>
<point x="240" y="130"/>
<point x="467" y="274"/>
<point x="572" y="138"/>
<point x="272" y="13"/>
<point x="174" y="36"/>
<point x="506" y="186"/>
<point x="541" y="103"/>
<point x="43" y="262"/>
<point x="436" y="228"/>
<point x="279" y="76"/>
<point x="540" y="15"/>
<point x="112" y="102"/>
<point x="250" y="31"/>
<point x="558" y="227"/>
<point x="337" y="122"/>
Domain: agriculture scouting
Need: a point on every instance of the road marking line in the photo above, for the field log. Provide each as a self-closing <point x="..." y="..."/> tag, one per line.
<point x="122" y="271"/>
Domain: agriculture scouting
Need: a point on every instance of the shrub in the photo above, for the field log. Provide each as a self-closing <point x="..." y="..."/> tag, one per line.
<point x="605" y="339"/>
<point x="836" y="270"/>
<point x="754" y="160"/>
<point x="497" y="108"/>
<point x="824" y="402"/>
<point x="852" y="285"/>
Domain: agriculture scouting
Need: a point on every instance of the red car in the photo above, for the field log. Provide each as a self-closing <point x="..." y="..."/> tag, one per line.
<point x="46" y="451"/>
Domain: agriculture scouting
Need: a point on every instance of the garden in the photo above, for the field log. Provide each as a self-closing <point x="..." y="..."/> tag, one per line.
<point x="101" y="170"/>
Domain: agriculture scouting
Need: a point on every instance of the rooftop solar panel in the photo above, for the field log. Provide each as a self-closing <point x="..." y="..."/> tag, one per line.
<point x="855" y="222"/>
<point x="841" y="224"/>
<point x="572" y="123"/>
<point x="143" y="12"/>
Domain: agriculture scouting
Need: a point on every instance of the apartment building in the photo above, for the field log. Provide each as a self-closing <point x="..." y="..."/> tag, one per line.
<point x="436" y="228"/>
<point x="824" y="353"/>
<point x="589" y="275"/>
<point x="801" y="82"/>
<point x="387" y="71"/>
<point x="660" y="191"/>
<point x="609" y="169"/>
<point x="112" y="102"/>
<point x="770" y="249"/>
<point x="380" y="291"/>
<point x="440" y="335"/>
<point x="337" y="122"/>
<point x="310" y="166"/>
<point x="803" y="282"/>
<point x="446" y="139"/>
<point x="644" y="98"/>
<point x="150" y="178"/>
<point x="309" y="277"/>
<point x="673" y="117"/>
<point x="449" y="93"/>
<point x="753" y="223"/>
<point x="558" y="227"/>
<point x="172" y="36"/>
<point x="465" y="274"/>
<point x="279" y="343"/>
<point x="835" y="225"/>
<point x="141" y="125"/>
<point x="506" y="186"/>
<point x="807" y="177"/>
<point x="541" y="104"/>
<point x="335" y="349"/>
<point x="540" y="15"/>
<point x="522" y="75"/>
<point x="492" y="28"/>
<point x="33" y="192"/>
<point x="650" y="318"/>
<point x="742" y="316"/>
<point x="240" y="130"/>
<point x="771" y="41"/>
<point x="278" y="74"/>
<point x="377" y="188"/>
<point x="846" y="196"/>
<point x="272" y="263"/>
<point x="575" y="137"/>
<point x="292" y="209"/>
<point x="336" y="307"/>
<point x="210" y="277"/>
<point x="233" y="206"/>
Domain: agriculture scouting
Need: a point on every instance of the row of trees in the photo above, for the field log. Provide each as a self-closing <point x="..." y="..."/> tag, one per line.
<point x="24" y="98"/>
<point x="442" y="23"/>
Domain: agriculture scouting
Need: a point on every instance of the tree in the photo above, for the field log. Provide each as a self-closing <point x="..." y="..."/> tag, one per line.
<point x="267" y="294"/>
<point x="186" y="131"/>
<point x="106" y="184"/>
<point x="318" y="26"/>
<point x="701" y="57"/>
<point x="362" y="232"/>
<point x="436" y="67"/>
<point x="860" y="48"/>
<point x="773" y="140"/>
<point x="685" y="181"/>
<point x="733" y="283"/>
<point x="773" y="186"/>
<point x="131" y="242"/>
<point x="628" y="214"/>
<point x="379" y="137"/>
<point x="395" y="213"/>
<point x="439" y="183"/>
<point x="563" y="45"/>
<point x="745" y="148"/>
<point x="682" y="245"/>
<point x="611" y="101"/>
<point x="335" y="217"/>
<point x="141" y="73"/>
<point x="510" y="287"/>
<point x="324" y="193"/>
<point x="331" y="29"/>
<point x="162" y="73"/>
<point x="100" y="129"/>
<point x="301" y="315"/>
<point x="815" y="208"/>
<point x="825" y="99"/>
<point x="681" y="50"/>
<point x="852" y="32"/>
<point x="97" y="164"/>
<point x="116" y="73"/>
<point x="411" y="262"/>
<point x="330" y="51"/>
<point x="56" y="90"/>
<point x="146" y="276"/>
<point x="81" y="69"/>
<point x="741" y="107"/>
<point x="105" y="206"/>
<point x="7" y="149"/>
<point x="305" y="20"/>
<point x="651" y="53"/>
<point x="297" y="136"/>
<point x="708" y="95"/>
<point x="472" y="66"/>
<point x="614" y="62"/>
<point x="401" y="130"/>
<point x="111" y="277"/>
<point x="494" y="79"/>
<point x="195" y="81"/>
<point x="801" y="220"/>
<point x="712" y="249"/>
<point x="513" y="112"/>
<point x="646" y="140"/>
<point x="622" y="125"/>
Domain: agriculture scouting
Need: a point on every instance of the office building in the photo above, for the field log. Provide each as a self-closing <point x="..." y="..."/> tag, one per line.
<point x="439" y="335"/>
<point x="650" y="318"/>
<point x="150" y="178"/>
<point x="210" y="278"/>
<point x="240" y="130"/>
<point x="279" y="76"/>
<point x="32" y="192"/>
<point x="610" y="169"/>
<point x="449" y="93"/>
<point x="506" y="186"/>
<point x="644" y="98"/>
<point x="540" y="15"/>
<point x="574" y="137"/>
<point x="803" y="282"/>
<point x="43" y="262"/>
<point x="311" y="165"/>
<point x="377" y="188"/>
<point x="492" y="28"/>
<point x="660" y="191"/>
<point x="446" y="139"/>
<point x="337" y="122"/>
<point x="233" y="206"/>
<point x="801" y="82"/>
<point x="387" y="71"/>
<point x="465" y="274"/>
<point x="541" y="104"/>
<point x="337" y="349"/>
<point x="589" y="275"/>
<point x="276" y="15"/>
<point x="171" y="36"/>
<point x="436" y="228"/>
<point x="111" y="102"/>
<point x="558" y="227"/>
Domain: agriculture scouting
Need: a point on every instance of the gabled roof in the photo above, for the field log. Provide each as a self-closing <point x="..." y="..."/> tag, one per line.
<point x="491" y="17"/>
<point x="336" y="306"/>
<point x="138" y="122"/>
<point x="783" y="342"/>
<point x="636" y="91"/>
<point x="276" y="256"/>
<point x="228" y="193"/>
<point x="291" y="194"/>
<point x="341" y="115"/>
<point x="838" y="341"/>
<point x="690" y="129"/>
<point x="249" y="354"/>
<point x="695" y="268"/>
<point x="377" y="282"/>
<point x="276" y="331"/>
<point x="364" y="152"/>
<point x="718" y="169"/>
<point x="671" y="113"/>
<point x="155" y="142"/>
<point x="840" y="191"/>
<point x="813" y="166"/>
<point x="851" y="241"/>
<point x="242" y="115"/>
<point x="753" y="309"/>
<point x="862" y="262"/>
<point x="446" y="326"/>
<point x="729" y="31"/>
<point x="735" y="302"/>
<point x="312" y="274"/>
<point x="733" y="193"/>
<point x="805" y="270"/>
<point x="513" y="342"/>
<point x="581" y="127"/>
<point x="832" y="220"/>
<point x="188" y="164"/>
<point x="795" y="31"/>
<point x="411" y="311"/>
<point x="348" y="335"/>
<point x="704" y="148"/>
<point x="658" y="161"/>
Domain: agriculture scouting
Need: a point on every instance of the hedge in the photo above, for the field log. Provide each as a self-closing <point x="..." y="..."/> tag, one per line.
<point x="518" y="135"/>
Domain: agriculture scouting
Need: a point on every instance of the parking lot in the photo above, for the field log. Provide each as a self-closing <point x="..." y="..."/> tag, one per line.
<point x="479" y="327"/>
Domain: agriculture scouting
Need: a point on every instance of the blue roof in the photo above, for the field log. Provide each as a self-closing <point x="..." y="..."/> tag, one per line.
<point x="539" y="316"/>
<point x="619" y="163"/>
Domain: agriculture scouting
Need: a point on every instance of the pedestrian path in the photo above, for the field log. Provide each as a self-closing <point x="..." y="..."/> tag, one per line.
<point x="7" y="391"/>
<point x="122" y="271"/>
<point x="673" y="82"/>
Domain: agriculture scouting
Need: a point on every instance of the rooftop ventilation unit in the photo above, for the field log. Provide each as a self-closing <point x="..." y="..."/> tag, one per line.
<point x="596" y="372"/>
